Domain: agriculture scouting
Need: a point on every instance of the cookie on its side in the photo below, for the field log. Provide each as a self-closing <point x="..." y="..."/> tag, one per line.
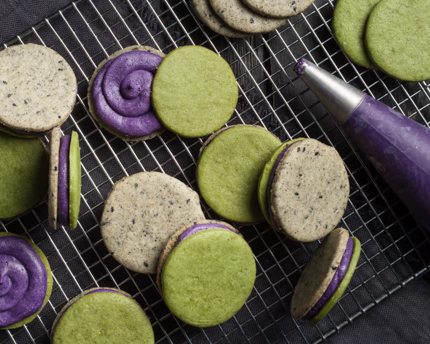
<point x="27" y="281"/>
<point x="37" y="89"/>
<point x="278" y="8"/>
<point x="228" y="169"/>
<point x="23" y="174"/>
<point x="140" y="214"/>
<point x="206" y="273"/>
<point x="326" y="276"/>
<point x="126" y="77"/>
<point x="102" y="315"/>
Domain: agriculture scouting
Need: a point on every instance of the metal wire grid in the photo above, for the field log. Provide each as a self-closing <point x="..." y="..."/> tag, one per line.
<point x="393" y="245"/>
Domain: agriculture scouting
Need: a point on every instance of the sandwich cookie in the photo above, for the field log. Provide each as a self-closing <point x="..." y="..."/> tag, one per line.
<point x="326" y="276"/>
<point x="64" y="196"/>
<point x="140" y="214"/>
<point x="394" y="38"/>
<point x="349" y="25"/>
<point x="278" y="8"/>
<point x="241" y="18"/>
<point x="194" y="91"/>
<point x="26" y="281"/>
<point x="229" y="166"/>
<point x="37" y="89"/>
<point x="119" y="93"/>
<point x="102" y="315"/>
<point x="206" y="273"/>
<point x="24" y="171"/>
<point x="307" y="190"/>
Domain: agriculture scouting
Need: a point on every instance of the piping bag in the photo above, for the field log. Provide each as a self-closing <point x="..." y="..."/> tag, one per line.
<point x="397" y="146"/>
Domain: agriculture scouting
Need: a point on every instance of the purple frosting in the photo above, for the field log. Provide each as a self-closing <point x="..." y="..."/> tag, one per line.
<point x="337" y="278"/>
<point x="122" y="93"/>
<point x="23" y="280"/>
<point x="200" y="227"/>
<point x="300" y="66"/>
<point x="63" y="182"/>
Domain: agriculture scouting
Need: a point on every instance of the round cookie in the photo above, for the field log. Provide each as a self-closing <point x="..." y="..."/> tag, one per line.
<point x="27" y="281"/>
<point x="37" y="88"/>
<point x="395" y="36"/>
<point x="141" y="213"/>
<point x="309" y="191"/>
<point x="239" y="17"/>
<point x="102" y="315"/>
<point x="229" y="168"/>
<point x="23" y="174"/>
<point x="139" y="131"/>
<point x="325" y="277"/>
<point x="349" y="25"/>
<point x="208" y="275"/>
<point x="206" y="14"/>
<point x="194" y="91"/>
<point x="278" y="8"/>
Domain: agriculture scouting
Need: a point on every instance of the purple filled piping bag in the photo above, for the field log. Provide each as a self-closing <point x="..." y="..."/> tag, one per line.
<point x="396" y="145"/>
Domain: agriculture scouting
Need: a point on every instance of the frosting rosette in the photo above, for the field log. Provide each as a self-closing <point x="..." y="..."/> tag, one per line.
<point x="25" y="281"/>
<point x="121" y="94"/>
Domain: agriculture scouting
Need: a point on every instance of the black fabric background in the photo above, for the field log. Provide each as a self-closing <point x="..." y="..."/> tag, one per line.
<point x="404" y="317"/>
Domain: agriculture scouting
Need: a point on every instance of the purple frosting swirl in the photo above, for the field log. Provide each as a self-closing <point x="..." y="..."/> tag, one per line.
<point x="200" y="227"/>
<point x="122" y="93"/>
<point x="337" y="278"/>
<point x="63" y="181"/>
<point x="23" y="280"/>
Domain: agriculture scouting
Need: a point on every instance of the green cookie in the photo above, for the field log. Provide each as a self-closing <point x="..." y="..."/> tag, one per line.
<point x="263" y="182"/>
<point x="24" y="170"/>
<point x="341" y="287"/>
<point x="397" y="38"/>
<point x="49" y="286"/>
<point x="74" y="180"/>
<point x="208" y="277"/>
<point x="103" y="317"/>
<point x="229" y="168"/>
<point x="349" y="24"/>
<point x="194" y="91"/>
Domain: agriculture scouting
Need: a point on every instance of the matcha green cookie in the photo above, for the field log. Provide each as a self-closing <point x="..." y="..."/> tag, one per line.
<point x="194" y="91"/>
<point x="74" y="179"/>
<point x="208" y="276"/>
<point x="349" y="24"/>
<point x="24" y="170"/>
<point x="102" y="315"/>
<point x="397" y="38"/>
<point x="229" y="169"/>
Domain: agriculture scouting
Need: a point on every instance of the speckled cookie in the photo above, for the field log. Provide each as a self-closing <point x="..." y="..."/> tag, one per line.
<point x="349" y="25"/>
<point x="278" y="8"/>
<point x="229" y="168"/>
<point x="194" y="92"/>
<point x="102" y="315"/>
<point x="326" y="276"/>
<point x="91" y="104"/>
<point x="24" y="169"/>
<point x="395" y="36"/>
<point x="37" y="88"/>
<point x="141" y="213"/>
<point x="239" y="17"/>
<point x="206" y="14"/>
<point x="309" y="192"/>
<point x="54" y="149"/>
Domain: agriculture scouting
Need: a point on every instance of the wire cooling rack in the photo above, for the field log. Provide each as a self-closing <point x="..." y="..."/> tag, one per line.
<point x="394" y="247"/>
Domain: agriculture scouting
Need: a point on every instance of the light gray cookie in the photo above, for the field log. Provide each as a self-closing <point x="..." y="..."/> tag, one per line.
<point x="240" y="17"/>
<point x="206" y="14"/>
<point x="91" y="105"/>
<point x="309" y="192"/>
<point x="319" y="272"/>
<point x="141" y="213"/>
<point x="278" y="8"/>
<point x="37" y="88"/>
<point x="54" y="151"/>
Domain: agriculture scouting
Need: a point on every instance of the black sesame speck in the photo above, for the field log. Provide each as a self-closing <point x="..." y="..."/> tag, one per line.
<point x="304" y="148"/>
<point x="145" y="264"/>
<point x="317" y="153"/>
<point x="296" y="193"/>
<point x="9" y="95"/>
<point x="111" y="209"/>
<point x="251" y="20"/>
<point x="4" y="82"/>
<point x="298" y="149"/>
<point x="188" y="200"/>
<point x="132" y="221"/>
<point x="136" y="185"/>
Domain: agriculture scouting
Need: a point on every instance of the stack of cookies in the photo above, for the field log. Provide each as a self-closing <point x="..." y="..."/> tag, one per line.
<point x="242" y="18"/>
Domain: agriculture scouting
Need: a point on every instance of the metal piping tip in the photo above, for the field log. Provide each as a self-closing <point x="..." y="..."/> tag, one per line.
<point x="339" y="98"/>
